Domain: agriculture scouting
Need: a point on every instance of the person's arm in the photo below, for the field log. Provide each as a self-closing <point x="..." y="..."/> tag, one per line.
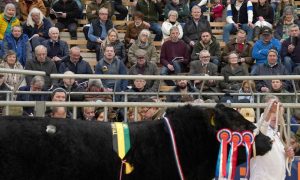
<point x="154" y="55"/>
<point x="53" y="71"/>
<point x="250" y="13"/>
<point x="163" y="55"/>
<point x="155" y="84"/>
<point x="45" y="31"/>
<point x="165" y="28"/>
<point x="131" y="57"/>
<point x="195" y="53"/>
<point x="88" y="69"/>
<point x="202" y="2"/>
<point x="91" y="35"/>
<point x="180" y="31"/>
<point x="123" y="71"/>
<point x="75" y="11"/>
<point x="229" y="19"/>
<point x="259" y="53"/>
<point x="29" y="55"/>
<point x="28" y="66"/>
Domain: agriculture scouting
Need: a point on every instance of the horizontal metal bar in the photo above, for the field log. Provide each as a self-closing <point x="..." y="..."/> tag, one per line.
<point x="139" y="104"/>
<point x="24" y="72"/>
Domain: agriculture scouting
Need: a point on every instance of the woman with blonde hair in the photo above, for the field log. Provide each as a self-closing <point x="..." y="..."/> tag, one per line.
<point x="37" y="27"/>
<point x="248" y="86"/>
<point x="112" y="38"/>
<point x="11" y="62"/>
<point x="8" y="19"/>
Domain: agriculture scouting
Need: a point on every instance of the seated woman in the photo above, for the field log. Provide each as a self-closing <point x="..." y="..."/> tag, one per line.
<point x="10" y="62"/>
<point x="288" y="18"/>
<point x="8" y="19"/>
<point x="112" y="38"/>
<point x="143" y="42"/>
<point x="170" y="22"/>
<point x="37" y="27"/>
<point x="248" y="86"/>
<point x="233" y="68"/>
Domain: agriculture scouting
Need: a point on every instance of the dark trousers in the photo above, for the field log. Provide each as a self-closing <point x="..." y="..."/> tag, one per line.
<point x="121" y="9"/>
<point x="72" y="28"/>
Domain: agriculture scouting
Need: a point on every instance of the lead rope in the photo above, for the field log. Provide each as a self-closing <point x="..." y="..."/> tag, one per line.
<point x="174" y="146"/>
<point x="283" y="133"/>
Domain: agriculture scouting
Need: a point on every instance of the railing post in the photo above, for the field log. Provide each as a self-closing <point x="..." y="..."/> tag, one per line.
<point x="40" y="108"/>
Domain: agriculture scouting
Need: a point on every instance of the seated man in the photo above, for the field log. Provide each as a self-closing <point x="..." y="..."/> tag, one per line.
<point x="272" y="67"/>
<point x="239" y="16"/>
<point x="42" y="63"/>
<point x="36" y="84"/>
<point x="95" y="85"/>
<point x="182" y="87"/>
<point x="174" y="55"/>
<point x="240" y="45"/>
<point x="66" y="12"/>
<point x="57" y="49"/>
<point x="262" y="47"/>
<point x="210" y="43"/>
<point x="109" y="64"/>
<point x="203" y="67"/>
<point x="145" y="67"/>
<point x="76" y="64"/>
<point x="290" y="52"/>
<point x="97" y="32"/>
<point x="193" y="27"/>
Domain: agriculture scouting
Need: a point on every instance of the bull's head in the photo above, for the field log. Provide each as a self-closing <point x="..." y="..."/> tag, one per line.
<point x="225" y="117"/>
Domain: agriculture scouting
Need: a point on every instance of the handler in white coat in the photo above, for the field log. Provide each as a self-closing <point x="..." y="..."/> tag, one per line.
<point x="271" y="166"/>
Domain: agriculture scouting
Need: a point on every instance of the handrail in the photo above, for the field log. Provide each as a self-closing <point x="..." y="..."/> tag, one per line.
<point x="24" y="72"/>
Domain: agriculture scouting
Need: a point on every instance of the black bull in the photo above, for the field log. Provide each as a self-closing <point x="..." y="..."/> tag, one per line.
<point x="83" y="150"/>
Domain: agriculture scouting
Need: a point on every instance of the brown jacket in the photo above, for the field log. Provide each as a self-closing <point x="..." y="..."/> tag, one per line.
<point x="133" y="32"/>
<point x="232" y="46"/>
<point x="25" y="8"/>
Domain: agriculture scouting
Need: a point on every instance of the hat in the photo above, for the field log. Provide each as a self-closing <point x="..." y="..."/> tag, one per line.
<point x="266" y="30"/>
<point x="248" y="113"/>
<point x="140" y="53"/>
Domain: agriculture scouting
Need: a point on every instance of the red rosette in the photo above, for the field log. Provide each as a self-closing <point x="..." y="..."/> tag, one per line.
<point x="225" y="135"/>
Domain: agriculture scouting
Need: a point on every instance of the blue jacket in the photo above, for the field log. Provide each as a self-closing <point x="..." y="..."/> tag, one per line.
<point x="22" y="47"/>
<point x="260" y="50"/>
<point x="43" y="31"/>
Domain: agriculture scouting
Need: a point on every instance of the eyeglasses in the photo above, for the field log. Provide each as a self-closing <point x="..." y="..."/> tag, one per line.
<point x="103" y="13"/>
<point x="205" y="57"/>
<point x="141" y="58"/>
